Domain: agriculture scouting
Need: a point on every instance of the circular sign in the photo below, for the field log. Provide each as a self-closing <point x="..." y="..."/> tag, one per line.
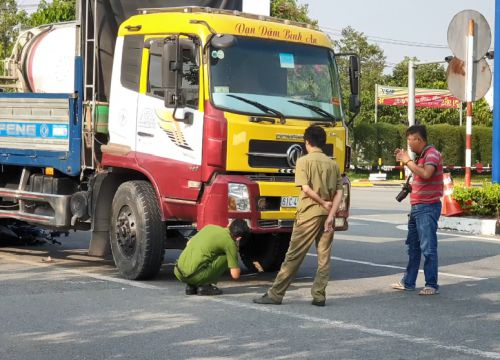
<point x="458" y="30"/>
<point x="457" y="78"/>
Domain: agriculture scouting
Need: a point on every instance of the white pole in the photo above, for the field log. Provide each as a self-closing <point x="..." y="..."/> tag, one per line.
<point x="376" y="102"/>
<point x="469" y="89"/>
<point x="411" y="93"/>
<point x="411" y="98"/>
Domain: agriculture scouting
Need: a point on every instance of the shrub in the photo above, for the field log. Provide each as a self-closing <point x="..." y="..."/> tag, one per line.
<point x="450" y="142"/>
<point x="373" y="141"/>
<point x="483" y="201"/>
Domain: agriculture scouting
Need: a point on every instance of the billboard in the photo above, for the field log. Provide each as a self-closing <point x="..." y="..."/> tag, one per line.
<point x="431" y="98"/>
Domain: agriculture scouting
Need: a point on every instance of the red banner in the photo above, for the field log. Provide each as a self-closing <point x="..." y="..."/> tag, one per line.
<point x="431" y="98"/>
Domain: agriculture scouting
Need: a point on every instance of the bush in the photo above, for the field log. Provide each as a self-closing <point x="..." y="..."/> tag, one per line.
<point x="450" y="142"/>
<point x="373" y="141"/>
<point x="483" y="201"/>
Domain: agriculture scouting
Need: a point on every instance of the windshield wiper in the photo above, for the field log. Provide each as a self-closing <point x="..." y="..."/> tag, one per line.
<point x="316" y="109"/>
<point x="261" y="107"/>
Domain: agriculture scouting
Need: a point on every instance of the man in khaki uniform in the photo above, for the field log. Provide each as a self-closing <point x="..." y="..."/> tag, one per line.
<point x="321" y="184"/>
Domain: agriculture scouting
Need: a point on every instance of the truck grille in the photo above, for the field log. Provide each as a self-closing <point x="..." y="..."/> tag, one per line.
<point x="276" y="154"/>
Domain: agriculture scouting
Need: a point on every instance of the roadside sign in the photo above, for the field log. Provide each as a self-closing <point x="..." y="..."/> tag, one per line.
<point x="458" y="31"/>
<point x="457" y="76"/>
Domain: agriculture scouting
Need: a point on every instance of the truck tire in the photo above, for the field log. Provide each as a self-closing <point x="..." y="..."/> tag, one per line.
<point x="268" y="250"/>
<point x="137" y="233"/>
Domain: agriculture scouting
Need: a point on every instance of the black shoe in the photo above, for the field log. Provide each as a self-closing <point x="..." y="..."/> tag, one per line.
<point x="209" y="290"/>
<point x="191" y="289"/>
<point x="265" y="299"/>
<point x="318" y="302"/>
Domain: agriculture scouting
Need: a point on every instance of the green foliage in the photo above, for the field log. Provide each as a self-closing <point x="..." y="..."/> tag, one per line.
<point x="482" y="144"/>
<point x="372" y="66"/>
<point x="290" y="10"/>
<point x="53" y="12"/>
<point x="372" y="141"/>
<point x="483" y="201"/>
<point x="310" y="82"/>
<point x="450" y="141"/>
<point x="429" y="76"/>
<point x="11" y="21"/>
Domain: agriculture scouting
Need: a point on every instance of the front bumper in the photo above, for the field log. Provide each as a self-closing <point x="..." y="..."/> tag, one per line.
<point x="266" y="214"/>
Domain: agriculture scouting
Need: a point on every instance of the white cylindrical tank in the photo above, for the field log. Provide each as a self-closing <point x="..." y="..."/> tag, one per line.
<point x="48" y="60"/>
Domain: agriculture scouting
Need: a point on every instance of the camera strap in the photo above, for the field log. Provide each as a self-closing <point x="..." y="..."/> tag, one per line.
<point x="408" y="179"/>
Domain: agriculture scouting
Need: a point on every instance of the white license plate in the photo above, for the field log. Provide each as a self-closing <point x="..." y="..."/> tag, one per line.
<point x="289" y="201"/>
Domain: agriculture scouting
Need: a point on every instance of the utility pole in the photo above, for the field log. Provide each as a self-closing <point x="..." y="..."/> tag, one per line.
<point x="495" y="176"/>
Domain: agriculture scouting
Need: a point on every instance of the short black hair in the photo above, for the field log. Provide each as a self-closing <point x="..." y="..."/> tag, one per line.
<point x="417" y="129"/>
<point x="239" y="228"/>
<point x="316" y="136"/>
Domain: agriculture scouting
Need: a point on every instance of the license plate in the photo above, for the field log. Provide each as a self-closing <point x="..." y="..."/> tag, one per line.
<point x="289" y="201"/>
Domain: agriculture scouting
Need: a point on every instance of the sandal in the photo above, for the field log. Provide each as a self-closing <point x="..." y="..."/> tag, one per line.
<point x="400" y="286"/>
<point x="428" y="290"/>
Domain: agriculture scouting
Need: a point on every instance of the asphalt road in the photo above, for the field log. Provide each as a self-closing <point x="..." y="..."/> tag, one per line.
<point x="76" y="307"/>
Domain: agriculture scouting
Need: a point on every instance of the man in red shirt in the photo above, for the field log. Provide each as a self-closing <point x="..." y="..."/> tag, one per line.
<point x="425" y="199"/>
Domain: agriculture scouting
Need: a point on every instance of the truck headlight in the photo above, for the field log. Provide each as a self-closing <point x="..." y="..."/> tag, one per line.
<point x="345" y="198"/>
<point x="238" y="198"/>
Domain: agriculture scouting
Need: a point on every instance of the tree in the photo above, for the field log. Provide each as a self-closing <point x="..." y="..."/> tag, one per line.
<point x="430" y="76"/>
<point x="10" y="21"/>
<point x="290" y="10"/>
<point x="372" y="66"/>
<point x="54" y="12"/>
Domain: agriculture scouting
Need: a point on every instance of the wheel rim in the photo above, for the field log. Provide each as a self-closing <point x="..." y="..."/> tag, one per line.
<point x="126" y="232"/>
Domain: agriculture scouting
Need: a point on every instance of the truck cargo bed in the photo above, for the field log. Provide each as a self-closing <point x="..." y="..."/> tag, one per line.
<point x="40" y="130"/>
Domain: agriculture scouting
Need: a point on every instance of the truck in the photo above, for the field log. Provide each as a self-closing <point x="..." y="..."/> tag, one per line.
<point x="142" y="123"/>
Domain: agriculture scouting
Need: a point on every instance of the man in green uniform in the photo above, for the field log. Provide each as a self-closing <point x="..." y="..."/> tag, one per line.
<point x="208" y="255"/>
<point x="321" y="185"/>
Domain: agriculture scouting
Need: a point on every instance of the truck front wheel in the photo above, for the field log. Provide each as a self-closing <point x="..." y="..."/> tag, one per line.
<point x="137" y="232"/>
<point x="265" y="251"/>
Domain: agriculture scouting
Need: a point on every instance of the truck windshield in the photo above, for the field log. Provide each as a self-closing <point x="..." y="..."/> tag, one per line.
<point x="296" y="80"/>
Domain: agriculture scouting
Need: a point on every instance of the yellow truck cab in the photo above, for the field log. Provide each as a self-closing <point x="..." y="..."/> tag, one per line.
<point x="197" y="118"/>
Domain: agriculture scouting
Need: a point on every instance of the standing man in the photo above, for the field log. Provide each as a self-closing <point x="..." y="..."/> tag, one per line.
<point x="321" y="184"/>
<point x="208" y="255"/>
<point x="425" y="199"/>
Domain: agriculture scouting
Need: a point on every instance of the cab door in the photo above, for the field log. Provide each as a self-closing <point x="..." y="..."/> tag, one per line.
<point x="170" y="145"/>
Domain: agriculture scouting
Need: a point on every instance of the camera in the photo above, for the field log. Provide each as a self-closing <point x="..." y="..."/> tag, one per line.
<point x="404" y="192"/>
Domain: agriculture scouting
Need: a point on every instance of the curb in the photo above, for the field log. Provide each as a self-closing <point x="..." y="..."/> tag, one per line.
<point x="367" y="183"/>
<point x="470" y="225"/>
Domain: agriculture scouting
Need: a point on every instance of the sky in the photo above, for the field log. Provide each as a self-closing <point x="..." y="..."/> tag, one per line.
<point x="422" y="25"/>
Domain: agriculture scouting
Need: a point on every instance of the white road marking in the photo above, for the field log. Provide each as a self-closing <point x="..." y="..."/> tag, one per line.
<point x="272" y="309"/>
<point x="375" y="220"/>
<point x="83" y="273"/>
<point x="400" y="268"/>
<point x="403" y="226"/>
<point x="334" y="324"/>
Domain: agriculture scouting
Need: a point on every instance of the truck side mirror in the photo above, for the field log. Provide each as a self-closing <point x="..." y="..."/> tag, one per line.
<point x="354" y="77"/>
<point x="354" y="101"/>
<point x="354" y="74"/>
<point x="171" y="71"/>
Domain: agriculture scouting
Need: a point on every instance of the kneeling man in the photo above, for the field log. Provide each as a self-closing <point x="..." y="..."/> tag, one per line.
<point x="208" y="255"/>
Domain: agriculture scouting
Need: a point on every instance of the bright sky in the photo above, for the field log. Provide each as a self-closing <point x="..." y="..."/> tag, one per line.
<point x="422" y="23"/>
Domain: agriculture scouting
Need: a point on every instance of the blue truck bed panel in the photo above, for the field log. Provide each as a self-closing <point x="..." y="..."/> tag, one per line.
<point x="40" y="130"/>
